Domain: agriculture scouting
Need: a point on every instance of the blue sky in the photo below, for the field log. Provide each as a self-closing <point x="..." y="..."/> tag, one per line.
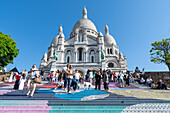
<point x="134" y="24"/>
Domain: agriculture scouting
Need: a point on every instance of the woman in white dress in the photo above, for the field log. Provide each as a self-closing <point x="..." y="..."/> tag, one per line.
<point x="22" y="81"/>
<point x="11" y="76"/>
<point x="91" y="76"/>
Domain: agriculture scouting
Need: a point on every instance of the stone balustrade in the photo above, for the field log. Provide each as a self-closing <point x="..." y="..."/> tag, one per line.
<point x="4" y="76"/>
<point x="165" y="76"/>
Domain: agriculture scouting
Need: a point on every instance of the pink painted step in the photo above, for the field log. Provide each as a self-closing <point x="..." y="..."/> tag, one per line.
<point x="25" y="107"/>
<point x="24" y="111"/>
<point x="5" y="91"/>
<point x="111" y="85"/>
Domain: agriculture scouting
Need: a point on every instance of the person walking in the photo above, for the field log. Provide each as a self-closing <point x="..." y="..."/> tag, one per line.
<point x="121" y="79"/>
<point x="57" y="76"/>
<point x="126" y="79"/>
<point x="22" y="81"/>
<point x="11" y="76"/>
<point x="69" y="76"/>
<point x="17" y="76"/>
<point x="76" y="79"/>
<point x="114" y="77"/>
<point x="34" y="73"/>
<point x="51" y="77"/>
<point x="98" y="80"/>
<point x="63" y="76"/>
<point x="91" y="76"/>
<point x="105" y="80"/>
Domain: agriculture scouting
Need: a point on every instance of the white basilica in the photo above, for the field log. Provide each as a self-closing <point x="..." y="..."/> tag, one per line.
<point x="83" y="49"/>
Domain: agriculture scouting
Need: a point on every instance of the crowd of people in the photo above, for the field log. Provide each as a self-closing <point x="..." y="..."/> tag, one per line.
<point x="25" y="76"/>
<point x="67" y="78"/>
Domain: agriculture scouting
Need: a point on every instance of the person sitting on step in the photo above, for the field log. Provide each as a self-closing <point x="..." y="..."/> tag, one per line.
<point x="60" y="84"/>
<point x="149" y="81"/>
<point x="161" y="85"/>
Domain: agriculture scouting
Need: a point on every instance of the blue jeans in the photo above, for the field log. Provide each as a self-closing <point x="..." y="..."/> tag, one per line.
<point x="65" y="83"/>
<point x="76" y="81"/>
<point x="130" y="80"/>
<point x="56" y="79"/>
<point x="69" y="83"/>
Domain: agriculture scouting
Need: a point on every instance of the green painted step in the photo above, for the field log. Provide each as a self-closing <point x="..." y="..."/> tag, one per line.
<point x="90" y="104"/>
<point x="88" y="107"/>
<point x="85" y="111"/>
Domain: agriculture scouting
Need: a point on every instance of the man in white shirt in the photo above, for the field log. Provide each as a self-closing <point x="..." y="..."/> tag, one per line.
<point x="149" y="81"/>
<point x="77" y="75"/>
<point x="33" y="73"/>
<point x="76" y="79"/>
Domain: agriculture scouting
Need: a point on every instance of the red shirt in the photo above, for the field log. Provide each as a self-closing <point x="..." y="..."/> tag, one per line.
<point x="114" y="74"/>
<point x="17" y="77"/>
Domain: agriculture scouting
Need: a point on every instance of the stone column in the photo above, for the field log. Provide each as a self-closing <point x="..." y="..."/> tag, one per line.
<point x="76" y="58"/>
<point x="84" y="37"/>
<point x="99" y="56"/>
<point x="85" y="56"/>
<point x="52" y="51"/>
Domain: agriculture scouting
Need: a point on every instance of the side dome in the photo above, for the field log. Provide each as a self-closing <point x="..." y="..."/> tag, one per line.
<point x="108" y="39"/>
<point x="55" y="41"/>
<point x="85" y="23"/>
<point x="60" y="34"/>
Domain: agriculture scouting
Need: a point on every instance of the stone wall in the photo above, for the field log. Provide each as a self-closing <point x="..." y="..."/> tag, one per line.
<point x="4" y="76"/>
<point x="165" y="76"/>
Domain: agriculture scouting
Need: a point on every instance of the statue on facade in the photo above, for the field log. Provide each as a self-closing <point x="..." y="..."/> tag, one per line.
<point x="102" y="54"/>
<point x="55" y="55"/>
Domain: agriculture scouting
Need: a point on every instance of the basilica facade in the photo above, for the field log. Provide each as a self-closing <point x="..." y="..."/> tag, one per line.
<point x="83" y="50"/>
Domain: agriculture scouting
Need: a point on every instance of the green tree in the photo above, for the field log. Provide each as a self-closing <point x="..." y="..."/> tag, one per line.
<point x="160" y="52"/>
<point x="8" y="50"/>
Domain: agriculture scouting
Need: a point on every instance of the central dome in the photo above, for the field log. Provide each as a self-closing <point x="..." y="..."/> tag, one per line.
<point x="85" y="23"/>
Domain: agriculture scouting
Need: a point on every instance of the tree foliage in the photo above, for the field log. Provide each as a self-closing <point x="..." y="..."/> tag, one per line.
<point x="160" y="52"/>
<point x="8" y="50"/>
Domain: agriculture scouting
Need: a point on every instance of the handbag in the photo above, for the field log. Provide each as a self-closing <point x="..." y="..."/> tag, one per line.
<point x="37" y="80"/>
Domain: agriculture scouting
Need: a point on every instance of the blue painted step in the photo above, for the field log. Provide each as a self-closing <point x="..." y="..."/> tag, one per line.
<point x="85" y="111"/>
<point x="88" y="107"/>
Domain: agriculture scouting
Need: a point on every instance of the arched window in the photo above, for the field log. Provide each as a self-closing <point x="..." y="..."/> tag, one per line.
<point x="92" y="59"/>
<point x="68" y="56"/>
<point x="110" y="65"/>
<point x="80" y="54"/>
<point x="92" y="52"/>
<point x="68" y="59"/>
<point x="110" y="51"/>
<point x="107" y="51"/>
<point x="68" y="52"/>
<point x="92" y="56"/>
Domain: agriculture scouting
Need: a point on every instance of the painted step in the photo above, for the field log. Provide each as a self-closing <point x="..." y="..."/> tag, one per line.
<point x="88" y="107"/>
<point x="85" y="111"/>
<point x="108" y="102"/>
<point x="23" y="103"/>
<point x="25" y="111"/>
<point x="25" y="107"/>
<point x="89" y="104"/>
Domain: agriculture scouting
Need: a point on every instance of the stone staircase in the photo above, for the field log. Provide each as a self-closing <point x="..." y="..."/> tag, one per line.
<point x="46" y="101"/>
